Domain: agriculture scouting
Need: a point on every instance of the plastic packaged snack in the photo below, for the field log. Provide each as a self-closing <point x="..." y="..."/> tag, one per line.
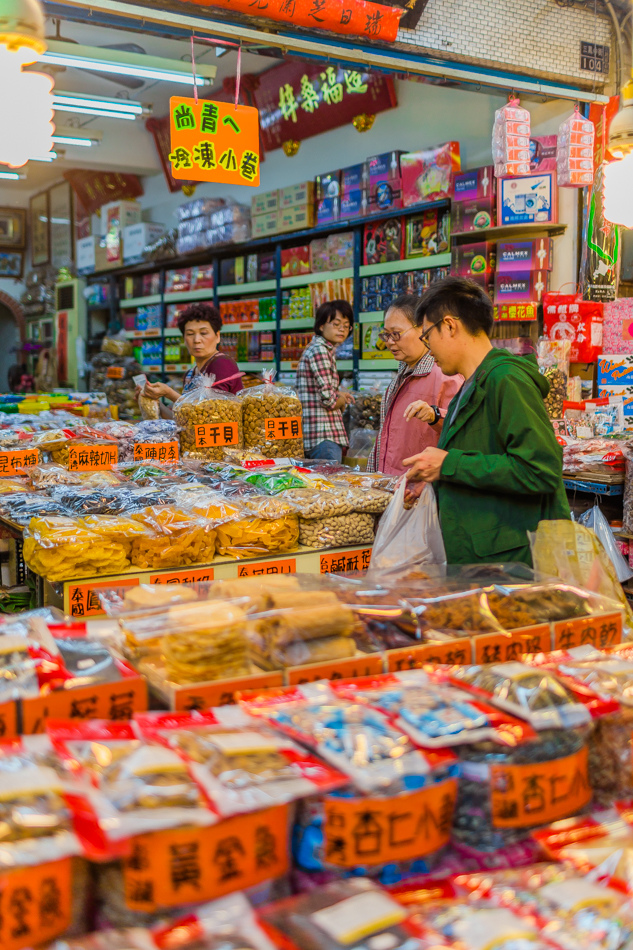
<point x="83" y="500"/>
<point x="343" y="915"/>
<point x="209" y="420"/>
<point x="22" y="507"/>
<point x="150" y="408"/>
<point x="9" y="486"/>
<point x="60" y="548"/>
<point x="598" y="456"/>
<point x="337" y="531"/>
<point x="364" y="412"/>
<point x="272" y="419"/>
<point x="133" y="786"/>
<point x="243" y="531"/>
<point x="312" y="503"/>
<point x="241" y="764"/>
<point x="175" y="538"/>
<point x="553" y="362"/>
<point x="511" y="140"/>
<point x="273" y="482"/>
<point x="50" y="473"/>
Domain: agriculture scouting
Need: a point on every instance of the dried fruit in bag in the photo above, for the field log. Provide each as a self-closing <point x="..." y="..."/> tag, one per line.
<point x="175" y="538"/>
<point x="60" y="548"/>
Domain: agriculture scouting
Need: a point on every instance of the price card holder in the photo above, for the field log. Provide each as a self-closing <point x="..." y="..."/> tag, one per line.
<point x="13" y="462"/>
<point x="336" y="562"/>
<point x="156" y="452"/>
<point x="540" y="792"/>
<point x="601" y="631"/>
<point x="82" y="600"/>
<point x="222" y="692"/>
<point x="191" y="865"/>
<point x="214" y="434"/>
<point x="350" y="668"/>
<point x="36" y="904"/>
<point x="118" y="700"/>
<point x="506" y="647"/>
<point x="451" y="652"/>
<point x="361" y="832"/>
<point x="284" y="566"/>
<point x="283" y="427"/>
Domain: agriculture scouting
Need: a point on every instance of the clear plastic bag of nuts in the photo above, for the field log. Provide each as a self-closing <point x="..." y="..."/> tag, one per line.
<point x="209" y="420"/>
<point x="337" y="531"/>
<point x="553" y="363"/>
<point x="272" y="418"/>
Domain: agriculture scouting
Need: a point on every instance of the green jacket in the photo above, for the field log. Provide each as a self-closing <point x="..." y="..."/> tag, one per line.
<point x="503" y="471"/>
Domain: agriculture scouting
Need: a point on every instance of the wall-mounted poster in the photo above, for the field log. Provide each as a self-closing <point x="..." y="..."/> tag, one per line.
<point x="40" y="234"/>
<point x="61" y="224"/>
<point x="12" y="227"/>
<point x="11" y="263"/>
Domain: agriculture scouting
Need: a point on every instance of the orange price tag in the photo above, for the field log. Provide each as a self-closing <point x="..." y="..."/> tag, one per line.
<point x="535" y="794"/>
<point x="156" y="452"/>
<point x="190" y="865"/>
<point x="92" y="458"/>
<point x="214" y="141"/>
<point x="600" y="632"/>
<point x="505" y="647"/>
<point x="220" y="433"/>
<point x="284" y="427"/>
<point x="12" y="462"/>
<point x="352" y="667"/>
<point x="285" y="566"/>
<point x="197" y="576"/>
<point x="115" y="372"/>
<point x="339" y="561"/>
<point x="118" y="700"/>
<point x="224" y="692"/>
<point x="453" y="653"/>
<point x="36" y="904"/>
<point x="153" y="331"/>
<point x="369" y="831"/>
<point x="8" y="720"/>
<point x="82" y="600"/>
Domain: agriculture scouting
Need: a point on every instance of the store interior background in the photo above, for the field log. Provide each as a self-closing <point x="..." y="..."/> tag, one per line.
<point x="427" y="114"/>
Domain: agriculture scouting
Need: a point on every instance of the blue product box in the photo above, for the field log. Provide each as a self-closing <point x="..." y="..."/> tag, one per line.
<point x="529" y="199"/>
<point x="615" y="369"/>
<point x="354" y="203"/>
<point x="354" y="178"/>
<point x="386" y="166"/>
<point x="328" y="210"/>
<point x="626" y="392"/>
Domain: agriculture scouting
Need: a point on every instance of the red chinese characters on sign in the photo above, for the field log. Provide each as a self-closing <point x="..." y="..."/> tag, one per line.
<point x="94" y="188"/>
<point x="214" y="141"/>
<point x="568" y="317"/>
<point x="340" y="561"/>
<point x="298" y="99"/>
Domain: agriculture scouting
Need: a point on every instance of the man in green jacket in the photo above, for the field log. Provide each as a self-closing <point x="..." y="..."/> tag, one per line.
<point x="498" y="466"/>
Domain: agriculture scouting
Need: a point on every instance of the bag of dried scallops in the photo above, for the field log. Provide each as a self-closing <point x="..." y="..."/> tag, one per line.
<point x="208" y="419"/>
<point x="272" y="419"/>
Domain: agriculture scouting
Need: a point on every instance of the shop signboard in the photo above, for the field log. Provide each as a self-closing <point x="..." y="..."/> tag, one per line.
<point x="96" y="188"/>
<point x="214" y="141"/>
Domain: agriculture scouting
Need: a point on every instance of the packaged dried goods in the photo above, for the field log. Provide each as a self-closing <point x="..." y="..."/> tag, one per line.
<point x="311" y="503"/>
<point x="337" y="531"/>
<point x="20" y="508"/>
<point x="83" y="500"/>
<point x="117" y="528"/>
<point x="156" y="440"/>
<point x="150" y="408"/>
<point x="209" y="420"/>
<point x="343" y="915"/>
<point x="243" y="531"/>
<point x="9" y="486"/>
<point x="364" y="412"/>
<point x="372" y="500"/>
<point x="271" y="483"/>
<point x="241" y="763"/>
<point x="60" y="549"/>
<point x="597" y="456"/>
<point x="569" y="909"/>
<point x="365" y="479"/>
<point x="356" y="740"/>
<point x="117" y="345"/>
<point x="259" y="592"/>
<point x="206" y="646"/>
<point x="145" y="597"/>
<point x="133" y="786"/>
<point x="241" y="456"/>
<point x="272" y="419"/>
<point x="50" y="473"/>
<point x="176" y="538"/>
<point x="123" y="433"/>
<point x="553" y="362"/>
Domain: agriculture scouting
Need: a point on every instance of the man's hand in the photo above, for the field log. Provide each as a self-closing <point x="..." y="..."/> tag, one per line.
<point x="419" y="410"/>
<point x="426" y="466"/>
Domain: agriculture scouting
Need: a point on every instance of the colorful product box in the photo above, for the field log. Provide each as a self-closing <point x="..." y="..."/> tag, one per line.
<point x="625" y="392"/>
<point x="302" y="194"/>
<point x="373" y="348"/>
<point x="527" y="200"/>
<point x="354" y="178"/>
<point x="266" y="265"/>
<point x="319" y="256"/>
<point x="615" y="369"/>
<point x="136" y="237"/>
<point x="521" y="256"/>
<point x="340" y="249"/>
<point x="328" y="185"/>
<point x="251" y="268"/>
<point x="295" y="261"/>
<point x="517" y="287"/>
<point x="469" y="259"/>
<point x="384" y="167"/>
<point x="328" y="210"/>
<point x="428" y="233"/>
<point x="474" y="184"/>
<point x="383" y="241"/>
<point x="428" y="175"/>
<point x="354" y="204"/>
<point x="202" y="277"/>
<point x="385" y="196"/>
<point x="295" y="219"/>
<point x="476" y="215"/>
<point x="265" y="203"/>
<point x="265" y="224"/>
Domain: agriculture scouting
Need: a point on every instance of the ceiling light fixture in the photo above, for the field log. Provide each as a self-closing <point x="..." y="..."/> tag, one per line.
<point x="50" y="157"/>
<point x="106" y="113"/>
<point x="11" y="176"/>
<point x="618" y="174"/>
<point x="72" y="140"/>
<point x="98" y="102"/>
<point x="75" y="56"/>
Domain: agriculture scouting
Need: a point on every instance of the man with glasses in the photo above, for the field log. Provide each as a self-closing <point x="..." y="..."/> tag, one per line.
<point x="413" y="407"/>
<point x="497" y="465"/>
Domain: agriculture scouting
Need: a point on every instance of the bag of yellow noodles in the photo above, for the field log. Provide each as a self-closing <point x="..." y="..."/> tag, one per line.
<point x="251" y="527"/>
<point x="177" y="538"/>
<point x="61" y="548"/>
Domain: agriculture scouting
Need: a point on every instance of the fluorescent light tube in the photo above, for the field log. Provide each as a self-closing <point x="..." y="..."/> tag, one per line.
<point x="97" y="102"/>
<point x="71" y="140"/>
<point x="84" y="110"/>
<point x="12" y="176"/>
<point x="121" y="69"/>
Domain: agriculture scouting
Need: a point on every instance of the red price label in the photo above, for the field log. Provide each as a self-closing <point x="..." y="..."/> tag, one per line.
<point x="115" y="372"/>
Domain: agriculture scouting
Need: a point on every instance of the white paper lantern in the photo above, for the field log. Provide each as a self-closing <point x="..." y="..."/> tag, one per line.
<point x="26" y="109"/>
<point x="618" y="191"/>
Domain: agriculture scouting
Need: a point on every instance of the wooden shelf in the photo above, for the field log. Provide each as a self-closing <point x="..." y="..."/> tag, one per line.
<point x="508" y="231"/>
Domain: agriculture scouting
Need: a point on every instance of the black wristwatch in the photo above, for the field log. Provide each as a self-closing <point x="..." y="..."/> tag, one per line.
<point x="438" y="415"/>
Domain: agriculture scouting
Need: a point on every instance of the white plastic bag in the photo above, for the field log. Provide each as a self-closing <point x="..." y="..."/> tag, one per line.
<point x="594" y="519"/>
<point x="408" y="538"/>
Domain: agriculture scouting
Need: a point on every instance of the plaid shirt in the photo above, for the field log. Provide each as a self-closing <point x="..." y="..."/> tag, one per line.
<point x="317" y="388"/>
<point x="423" y="368"/>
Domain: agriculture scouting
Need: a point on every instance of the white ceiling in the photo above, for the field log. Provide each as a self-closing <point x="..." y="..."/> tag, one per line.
<point x="126" y="146"/>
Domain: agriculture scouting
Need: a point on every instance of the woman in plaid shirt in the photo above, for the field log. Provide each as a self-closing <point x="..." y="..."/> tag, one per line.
<point x="324" y="434"/>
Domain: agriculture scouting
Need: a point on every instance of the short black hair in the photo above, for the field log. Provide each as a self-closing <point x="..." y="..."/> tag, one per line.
<point x="407" y="303"/>
<point x="200" y="311"/>
<point x="327" y="312"/>
<point x="457" y="297"/>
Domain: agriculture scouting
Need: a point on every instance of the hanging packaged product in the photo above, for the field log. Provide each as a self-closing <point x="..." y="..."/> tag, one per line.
<point x="553" y="363"/>
<point x="272" y="419"/>
<point x="569" y="317"/>
<point x="133" y="786"/>
<point x="574" y="151"/>
<point x="208" y="419"/>
<point x="242" y="764"/>
<point x="511" y="140"/>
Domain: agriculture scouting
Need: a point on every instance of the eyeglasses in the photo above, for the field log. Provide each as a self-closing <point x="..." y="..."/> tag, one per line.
<point x="339" y="324"/>
<point x="425" y="336"/>
<point x="393" y="335"/>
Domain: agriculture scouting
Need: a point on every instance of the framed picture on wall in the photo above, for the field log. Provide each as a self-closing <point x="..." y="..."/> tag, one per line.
<point x="11" y="263"/>
<point x="60" y="206"/>
<point x="40" y="231"/>
<point x="12" y="227"/>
